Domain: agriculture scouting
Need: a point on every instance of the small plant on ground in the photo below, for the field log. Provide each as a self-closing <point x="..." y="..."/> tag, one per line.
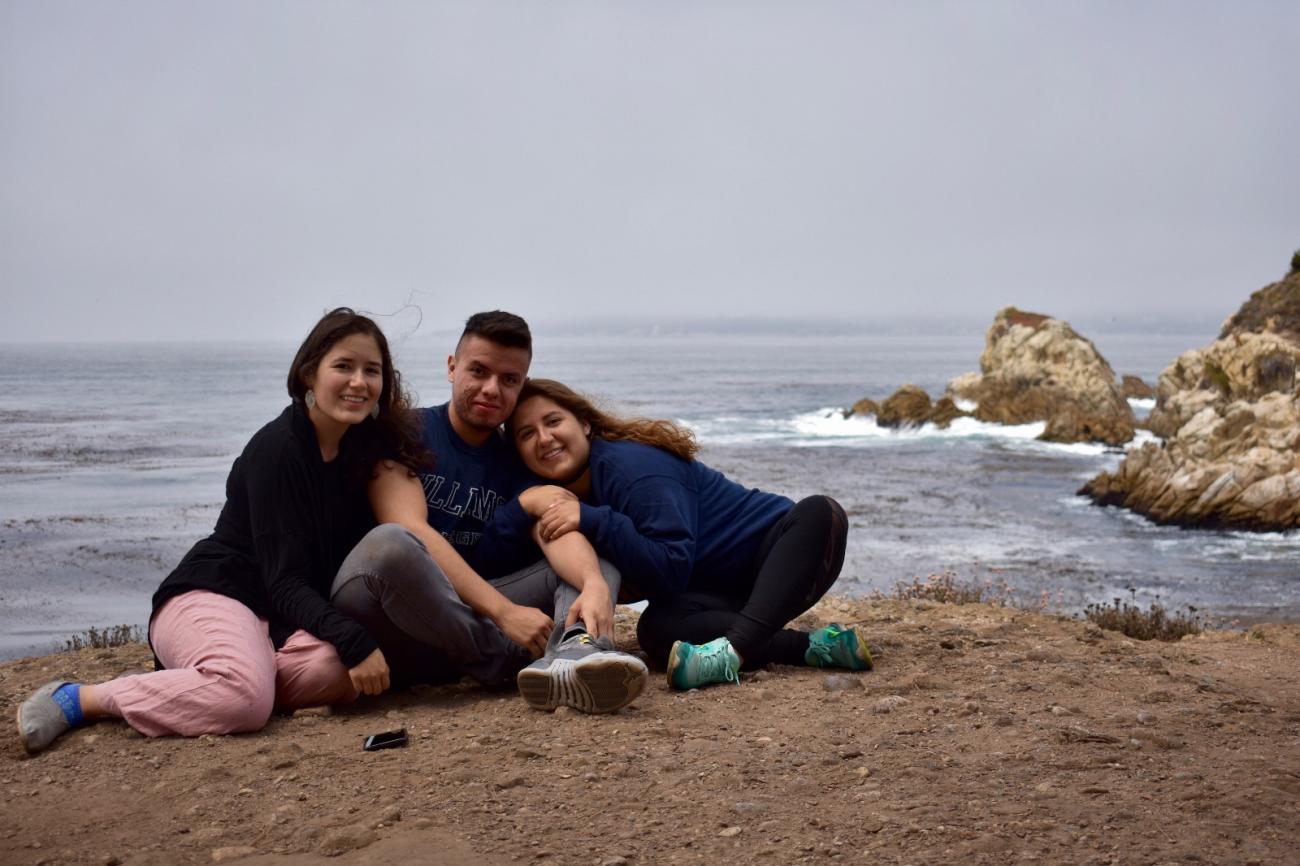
<point x="946" y="588"/>
<point x="1295" y="261"/>
<point x="109" y="636"/>
<point x="1154" y="623"/>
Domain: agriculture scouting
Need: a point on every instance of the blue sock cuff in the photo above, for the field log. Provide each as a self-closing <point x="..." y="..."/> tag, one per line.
<point x="68" y="697"/>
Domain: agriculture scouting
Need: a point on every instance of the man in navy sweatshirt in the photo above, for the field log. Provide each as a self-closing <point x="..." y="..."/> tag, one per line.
<point x="560" y="608"/>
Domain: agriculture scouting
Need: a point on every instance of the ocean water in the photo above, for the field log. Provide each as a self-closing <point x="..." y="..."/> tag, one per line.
<point x="113" y="461"/>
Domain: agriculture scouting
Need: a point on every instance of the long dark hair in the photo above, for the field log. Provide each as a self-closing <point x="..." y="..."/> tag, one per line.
<point x="648" y="431"/>
<point x="395" y="434"/>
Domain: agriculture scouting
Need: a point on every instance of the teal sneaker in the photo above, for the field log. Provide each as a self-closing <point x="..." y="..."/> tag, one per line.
<point x="693" y="665"/>
<point x="834" y="646"/>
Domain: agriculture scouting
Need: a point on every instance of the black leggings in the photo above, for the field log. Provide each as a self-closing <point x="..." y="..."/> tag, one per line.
<point x="799" y="559"/>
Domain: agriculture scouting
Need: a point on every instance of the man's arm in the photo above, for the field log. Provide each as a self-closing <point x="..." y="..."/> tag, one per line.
<point x="573" y="558"/>
<point x="397" y="497"/>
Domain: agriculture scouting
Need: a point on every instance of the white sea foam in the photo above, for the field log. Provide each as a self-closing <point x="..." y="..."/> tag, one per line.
<point x="1142" y="404"/>
<point x="1240" y="546"/>
<point x="829" y="427"/>
<point x="1142" y="437"/>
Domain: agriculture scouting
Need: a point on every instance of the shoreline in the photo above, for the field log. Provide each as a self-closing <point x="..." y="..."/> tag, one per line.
<point x="983" y="734"/>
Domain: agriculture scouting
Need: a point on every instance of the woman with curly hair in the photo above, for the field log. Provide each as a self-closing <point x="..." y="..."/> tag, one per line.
<point x="724" y="567"/>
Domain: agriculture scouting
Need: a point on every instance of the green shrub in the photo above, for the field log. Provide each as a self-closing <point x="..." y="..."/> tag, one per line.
<point x="1215" y="375"/>
<point x="1151" y="624"/>
<point x="1295" y="261"/>
<point x="110" y="636"/>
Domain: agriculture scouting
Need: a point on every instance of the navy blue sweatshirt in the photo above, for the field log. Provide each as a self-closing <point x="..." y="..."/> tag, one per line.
<point x="666" y="523"/>
<point x="287" y="525"/>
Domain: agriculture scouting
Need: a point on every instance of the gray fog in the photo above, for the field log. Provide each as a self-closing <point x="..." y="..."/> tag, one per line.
<point x="227" y="170"/>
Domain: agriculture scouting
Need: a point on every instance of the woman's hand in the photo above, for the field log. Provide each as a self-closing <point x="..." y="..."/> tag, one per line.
<point x="595" y="608"/>
<point x="535" y="500"/>
<point x="371" y="676"/>
<point x="526" y="626"/>
<point x="559" y="517"/>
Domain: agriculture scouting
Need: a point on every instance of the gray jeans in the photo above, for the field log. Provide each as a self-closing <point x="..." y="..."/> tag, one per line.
<point x="391" y="585"/>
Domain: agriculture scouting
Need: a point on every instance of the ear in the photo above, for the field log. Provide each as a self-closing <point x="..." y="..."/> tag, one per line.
<point x="586" y="429"/>
<point x="451" y="366"/>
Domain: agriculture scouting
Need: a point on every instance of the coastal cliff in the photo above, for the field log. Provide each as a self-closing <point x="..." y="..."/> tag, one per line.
<point x="1230" y="417"/>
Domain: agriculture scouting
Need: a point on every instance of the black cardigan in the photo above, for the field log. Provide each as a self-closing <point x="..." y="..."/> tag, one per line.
<point x="287" y="525"/>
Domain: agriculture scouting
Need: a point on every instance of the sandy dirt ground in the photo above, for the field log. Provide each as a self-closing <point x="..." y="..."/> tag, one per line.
<point x="985" y="735"/>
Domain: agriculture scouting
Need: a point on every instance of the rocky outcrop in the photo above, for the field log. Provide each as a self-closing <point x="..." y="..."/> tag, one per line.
<point x="909" y="406"/>
<point x="1036" y="368"/>
<point x="1230" y="416"/>
<point x="1132" y="387"/>
<point x="865" y="406"/>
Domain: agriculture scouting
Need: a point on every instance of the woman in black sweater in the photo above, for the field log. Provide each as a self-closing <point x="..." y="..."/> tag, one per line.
<point x="244" y="624"/>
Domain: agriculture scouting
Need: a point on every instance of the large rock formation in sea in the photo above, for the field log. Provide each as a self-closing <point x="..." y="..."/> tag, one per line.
<point x="1036" y="368"/>
<point x="1230" y="416"/>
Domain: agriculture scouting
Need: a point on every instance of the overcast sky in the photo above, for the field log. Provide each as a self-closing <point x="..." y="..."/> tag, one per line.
<point x="221" y="170"/>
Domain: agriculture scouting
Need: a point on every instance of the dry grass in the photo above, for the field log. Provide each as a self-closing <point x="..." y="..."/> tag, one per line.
<point x="946" y="588"/>
<point x="1154" y="623"/>
<point x="109" y="636"/>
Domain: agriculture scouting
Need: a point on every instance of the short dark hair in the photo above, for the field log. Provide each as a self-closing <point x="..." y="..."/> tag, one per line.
<point x="502" y="328"/>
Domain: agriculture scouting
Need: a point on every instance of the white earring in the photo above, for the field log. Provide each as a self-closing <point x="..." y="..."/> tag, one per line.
<point x="374" y="411"/>
<point x="310" y="399"/>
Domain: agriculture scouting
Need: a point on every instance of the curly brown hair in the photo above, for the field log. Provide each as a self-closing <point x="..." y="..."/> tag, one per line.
<point x="648" y="431"/>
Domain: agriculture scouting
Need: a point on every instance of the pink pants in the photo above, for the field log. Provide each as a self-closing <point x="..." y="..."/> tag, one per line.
<point x="223" y="674"/>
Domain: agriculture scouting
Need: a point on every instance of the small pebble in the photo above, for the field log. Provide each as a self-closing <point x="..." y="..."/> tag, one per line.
<point x="729" y="832"/>
<point x="889" y="704"/>
<point x="841" y="682"/>
<point x="232" y="852"/>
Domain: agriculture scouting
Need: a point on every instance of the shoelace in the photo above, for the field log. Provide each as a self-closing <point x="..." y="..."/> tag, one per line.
<point x="715" y="663"/>
<point x="821" y="651"/>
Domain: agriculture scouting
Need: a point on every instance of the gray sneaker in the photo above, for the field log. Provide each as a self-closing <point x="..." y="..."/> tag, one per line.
<point x="585" y="674"/>
<point x="40" y="720"/>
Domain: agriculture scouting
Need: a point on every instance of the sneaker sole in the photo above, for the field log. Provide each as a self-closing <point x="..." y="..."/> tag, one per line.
<point x="600" y="683"/>
<point x="673" y="664"/>
<point x="861" y="653"/>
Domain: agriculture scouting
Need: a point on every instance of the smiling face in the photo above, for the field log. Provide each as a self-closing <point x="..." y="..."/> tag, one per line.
<point x="346" y="383"/>
<point x="485" y="381"/>
<point x="551" y="440"/>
